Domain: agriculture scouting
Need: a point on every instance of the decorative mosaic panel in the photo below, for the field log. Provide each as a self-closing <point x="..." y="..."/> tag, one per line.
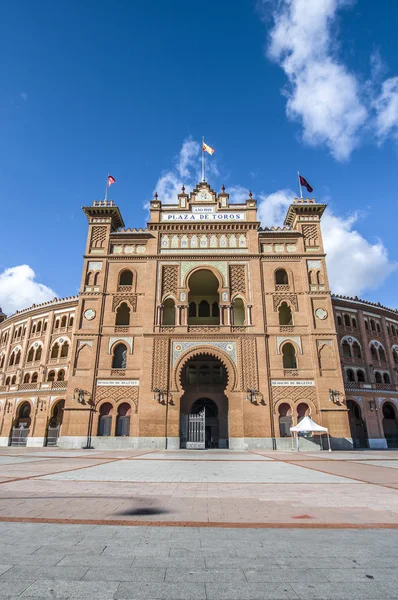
<point x="313" y="264"/>
<point x="237" y="279"/>
<point x="180" y="347"/>
<point x="218" y="264"/>
<point x="98" y="235"/>
<point x="169" y="279"/>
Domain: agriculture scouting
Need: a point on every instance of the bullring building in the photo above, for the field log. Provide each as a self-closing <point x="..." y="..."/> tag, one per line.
<point x="201" y="330"/>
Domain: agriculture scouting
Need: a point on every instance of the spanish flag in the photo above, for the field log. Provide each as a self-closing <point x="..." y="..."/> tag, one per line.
<point x="207" y="148"/>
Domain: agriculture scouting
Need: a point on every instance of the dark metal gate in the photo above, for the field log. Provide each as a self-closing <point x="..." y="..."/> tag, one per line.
<point x="19" y="436"/>
<point x="193" y="431"/>
<point x="53" y="435"/>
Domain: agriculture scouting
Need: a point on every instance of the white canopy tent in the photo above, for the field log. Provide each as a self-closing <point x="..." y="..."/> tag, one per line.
<point x="307" y="425"/>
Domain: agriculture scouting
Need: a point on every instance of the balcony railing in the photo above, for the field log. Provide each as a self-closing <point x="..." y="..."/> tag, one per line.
<point x="356" y="385"/>
<point x="43" y="385"/>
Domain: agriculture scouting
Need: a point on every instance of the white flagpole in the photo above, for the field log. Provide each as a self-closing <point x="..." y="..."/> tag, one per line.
<point x="301" y="191"/>
<point x="203" y="160"/>
<point x="107" y="186"/>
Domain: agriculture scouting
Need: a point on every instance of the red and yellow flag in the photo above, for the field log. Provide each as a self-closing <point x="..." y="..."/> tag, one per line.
<point x="207" y="148"/>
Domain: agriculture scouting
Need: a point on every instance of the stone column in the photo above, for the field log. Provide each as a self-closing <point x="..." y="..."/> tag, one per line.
<point x="249" y="314"/>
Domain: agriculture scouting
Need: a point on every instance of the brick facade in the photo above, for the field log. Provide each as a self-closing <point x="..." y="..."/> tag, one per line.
<point x="203" y="308"/>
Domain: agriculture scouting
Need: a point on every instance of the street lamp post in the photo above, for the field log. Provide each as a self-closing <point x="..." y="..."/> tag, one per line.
<point x="79" y="396"/>
<point x="162" y="396"/>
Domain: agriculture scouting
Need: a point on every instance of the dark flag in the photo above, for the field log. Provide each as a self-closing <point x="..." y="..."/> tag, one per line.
<point x="305" y="183"/>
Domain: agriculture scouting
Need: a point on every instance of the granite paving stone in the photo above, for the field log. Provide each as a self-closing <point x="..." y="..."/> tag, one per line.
<point x="161" y="591"/>
<point x="137" y="574"/>
<point x="57" y="590"/>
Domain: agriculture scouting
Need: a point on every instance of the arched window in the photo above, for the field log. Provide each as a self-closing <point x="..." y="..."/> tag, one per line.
<point x="34" y="328"/>
<point x="61" y="375"/>
<point x="65" y="349"/>
<point x="373" y="353"/>
<point x="2" y="357"/>
<point x="361" y="376"/>
<point x="354" y="323"/>
<point x="203" y="291"/>
<point x="356" y="350"/>
<point x="238" y="309"/>
<point x="382" y="354"/>
<point x="12" y="359"/>
<point x="319" y="278"/>
<point x="8" y="381"/>
<point x="51" y="376"/>
<point x="285" y="314"/>
<point x="105" y="419"/>
<point x="285" y="420"/>
<point x="38" y="353"/>
<point x="215" y="309"/>
<point x="204" y="308"/>
<point x="26" y="379"/>
<point x="281" y="277"/>
<point x="346" y="349"/>
<point x="372" y="325"/>
<point x="38" y="329"/>
<point x="123" y="420"/>
<point x="347" y="321"/>
<point x="45" y="326"/>
<point x="123" y="314"/>
<point x="96" y="278"/>
<point x="119" y="360"/>
<point x="386" y="378"/>
<point x="378" y="378"/>
<point x="14" y="380"/>
<point x="55" y="351"/>
<point x="303" y="410"/>
<point x="366" y="325"/>
<point x="395" y="355"/>
<point x="169" y="312"/>
<point x="339" y="321"/>
<point x="88" y="278"/>
<point x="56" y="326"/>
<point x="70" y="321"/>
<point x="378" y="327"/>
<point x="289" y="356"/>
<point x="192" y="309"/>
<point x="35" y="377"/>
<point x="18" y="357"/>
<point x="126" y="278"/>
<point x="63" y="321"/>
<point x="350" y="375"/>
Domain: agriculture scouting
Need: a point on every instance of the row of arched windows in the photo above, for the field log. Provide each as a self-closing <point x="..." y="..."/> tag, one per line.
<point x="60" y="351"/>
<point x="63" y="322"/>
<point x="372" y="325"/>
<point x="122" y="419"/>
<point x="33" y="378"/>
<point x="359" y="375"/>
<point x="125" y="278"/>
<point x="392" y="330"/>
<point x="348" y="321"/>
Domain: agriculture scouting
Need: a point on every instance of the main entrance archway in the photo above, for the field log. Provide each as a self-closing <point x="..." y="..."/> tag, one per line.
<point x="204" y="405"/>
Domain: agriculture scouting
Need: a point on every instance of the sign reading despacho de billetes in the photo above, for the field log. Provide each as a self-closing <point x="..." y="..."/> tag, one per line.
<point x="284" y="382"/>
<point x="118" y="382"/>
<point x="217" y="216"/>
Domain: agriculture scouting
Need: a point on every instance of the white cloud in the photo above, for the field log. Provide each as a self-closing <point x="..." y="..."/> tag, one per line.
<point x="18" y="289"/>
<point x="355" y="264"/>
<point x="322" y="94"/>
<point x="24" y="96"/>
<point x="386" y="107"/>
<point x="186" y="172"/>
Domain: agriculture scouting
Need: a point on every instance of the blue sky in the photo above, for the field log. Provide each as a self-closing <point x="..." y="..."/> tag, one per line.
<point x="130" y="87"/>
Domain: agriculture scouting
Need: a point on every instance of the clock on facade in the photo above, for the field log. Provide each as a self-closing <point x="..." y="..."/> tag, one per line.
<point x="89" y="314"/>
<point x="321" y="313"/>
<point x="204" y="196"/>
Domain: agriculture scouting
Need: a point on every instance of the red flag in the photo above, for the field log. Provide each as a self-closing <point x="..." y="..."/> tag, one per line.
<point x="111" y="180"/>
<point x="305" y="183"/>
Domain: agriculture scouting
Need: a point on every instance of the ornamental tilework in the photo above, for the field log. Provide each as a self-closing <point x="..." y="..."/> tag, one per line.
<point x="180" y="347"/>
<point x="220" y="265"/>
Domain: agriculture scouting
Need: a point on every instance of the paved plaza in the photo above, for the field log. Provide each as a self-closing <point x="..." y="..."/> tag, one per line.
<point x="198" y="525"/>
